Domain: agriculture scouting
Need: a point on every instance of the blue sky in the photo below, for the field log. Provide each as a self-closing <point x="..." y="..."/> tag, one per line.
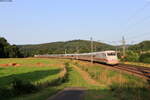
<point x="42" y="21"/>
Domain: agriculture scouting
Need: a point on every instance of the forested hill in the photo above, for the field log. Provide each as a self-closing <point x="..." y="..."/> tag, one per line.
<point x="60" y="47"/>
<point x="143" y="46"/>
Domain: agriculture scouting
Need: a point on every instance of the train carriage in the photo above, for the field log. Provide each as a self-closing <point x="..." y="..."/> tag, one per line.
<point x="108" y="57"/>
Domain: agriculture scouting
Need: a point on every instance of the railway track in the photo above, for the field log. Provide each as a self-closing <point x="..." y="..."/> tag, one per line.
<point x="135" y="70"/>
<point x="140" y="71"/>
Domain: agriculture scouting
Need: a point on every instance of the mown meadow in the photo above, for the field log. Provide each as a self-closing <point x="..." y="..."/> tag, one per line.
<point x="29" y="75"/>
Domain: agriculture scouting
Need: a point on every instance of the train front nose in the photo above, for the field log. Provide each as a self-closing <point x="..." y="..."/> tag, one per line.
<point x="113" y="61"/>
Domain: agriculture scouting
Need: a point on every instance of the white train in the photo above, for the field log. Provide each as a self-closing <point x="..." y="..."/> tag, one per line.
<point x="107" y="57"/>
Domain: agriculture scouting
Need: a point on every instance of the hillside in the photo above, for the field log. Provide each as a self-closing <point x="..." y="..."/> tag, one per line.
<point x="74" y="46"/>
<point x="143" y="46"/>
<point x="60" y="47"/>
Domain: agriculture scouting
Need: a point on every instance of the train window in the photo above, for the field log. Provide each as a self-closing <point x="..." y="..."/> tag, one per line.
<point x="104" y="55"/>
<point x="111" y="54"/>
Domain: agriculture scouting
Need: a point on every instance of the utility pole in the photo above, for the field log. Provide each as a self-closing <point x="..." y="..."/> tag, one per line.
<point x="124" y="46"/>
<point x="95" y="48"/>
<point x="65" y="51"/>
<point x="77" y="52"/>
<point x="115" y="45"/>
<point x="91" y="50"/>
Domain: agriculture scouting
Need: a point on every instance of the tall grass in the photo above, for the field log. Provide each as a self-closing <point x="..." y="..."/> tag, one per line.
<point x="122" y="85"/>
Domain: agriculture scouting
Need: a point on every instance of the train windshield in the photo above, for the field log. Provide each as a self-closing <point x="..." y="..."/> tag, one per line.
<point x="111" y="54"/>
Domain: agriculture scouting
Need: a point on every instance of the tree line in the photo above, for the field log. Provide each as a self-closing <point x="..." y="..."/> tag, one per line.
<point x="7" y="50"/>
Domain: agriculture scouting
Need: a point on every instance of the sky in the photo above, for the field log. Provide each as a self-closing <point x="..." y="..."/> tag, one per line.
<point x="43" y="21"/>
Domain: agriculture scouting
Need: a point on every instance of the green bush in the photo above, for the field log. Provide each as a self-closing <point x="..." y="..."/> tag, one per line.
<point x="20" y="86"/>
<point x="5" y="93"/>
<point x="131" y="56"/>
<point x="145" y="58"/>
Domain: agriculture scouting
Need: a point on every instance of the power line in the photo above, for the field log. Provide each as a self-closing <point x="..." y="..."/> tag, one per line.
<point x="135" y="39"/>
<point x="139" y="36"/>
<point x="137" y="23"/>
<point x="128" y="39"/>
<point x="138" y="11"/>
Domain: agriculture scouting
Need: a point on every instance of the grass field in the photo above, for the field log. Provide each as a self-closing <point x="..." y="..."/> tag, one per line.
<point x="36" y="71"/>
<point x="39" y="70"/>
<point x="122" y="86"/>
<point x="112" y="85"/>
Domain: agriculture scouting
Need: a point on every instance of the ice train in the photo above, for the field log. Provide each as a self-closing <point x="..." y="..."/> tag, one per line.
<point x="107" y="57"/>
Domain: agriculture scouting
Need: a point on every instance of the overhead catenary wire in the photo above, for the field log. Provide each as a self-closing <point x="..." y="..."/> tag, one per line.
<point x="129" y="40"/>
<point x="138" y="11"/>
<point x="132" y="17"/>
<point x="136" y="24"/>
<point x="131" y="26"/>
<point x="139" y="36"/>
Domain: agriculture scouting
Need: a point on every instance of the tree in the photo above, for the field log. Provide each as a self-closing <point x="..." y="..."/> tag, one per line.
<point x="3" y="45"/>
<point x="132" y="56"/>
<point x="7" y="50"/>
